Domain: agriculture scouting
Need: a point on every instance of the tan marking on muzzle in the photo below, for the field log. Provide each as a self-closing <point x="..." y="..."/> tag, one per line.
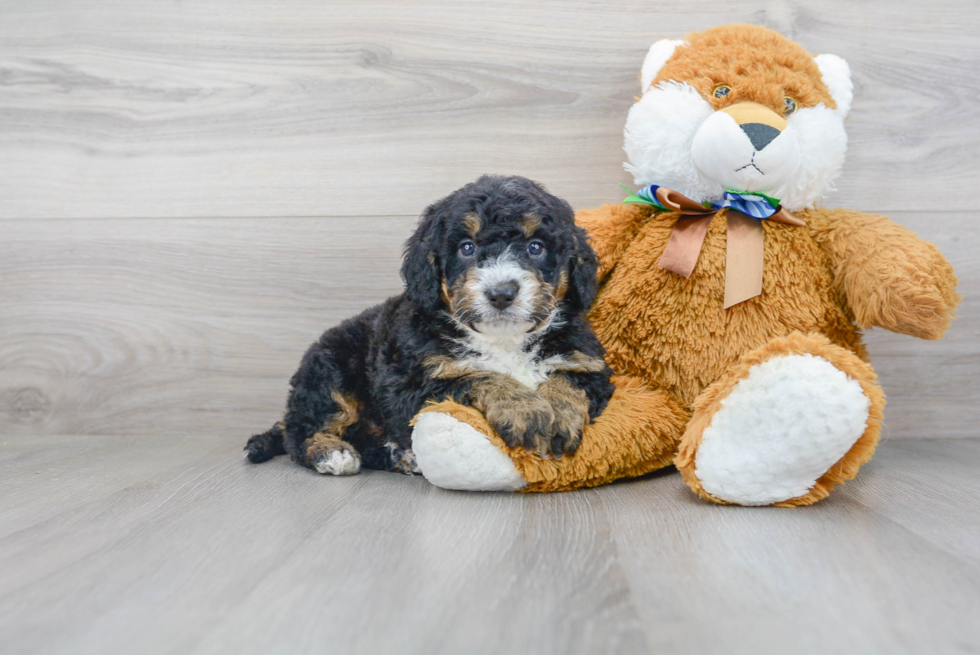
<point x="752" y="112"/>
<point x="562" y="288"/>
<point x="444" y="293"/>
<point x="463" y="292"/>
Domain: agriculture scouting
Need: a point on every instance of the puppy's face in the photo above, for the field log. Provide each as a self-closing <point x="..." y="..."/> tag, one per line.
<point x="503" y="270"/>
<point x="505" y="255"/>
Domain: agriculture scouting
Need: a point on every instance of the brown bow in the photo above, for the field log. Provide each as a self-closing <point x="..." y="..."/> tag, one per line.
<point x="743" y="252"/>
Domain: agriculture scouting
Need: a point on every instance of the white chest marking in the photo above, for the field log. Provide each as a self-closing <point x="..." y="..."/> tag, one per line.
<point x="505" y="354"/>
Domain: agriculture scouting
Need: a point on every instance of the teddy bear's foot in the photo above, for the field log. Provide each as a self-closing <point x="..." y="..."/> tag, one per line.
<point x="453" y="450"/>
<point x="791" y="420"/>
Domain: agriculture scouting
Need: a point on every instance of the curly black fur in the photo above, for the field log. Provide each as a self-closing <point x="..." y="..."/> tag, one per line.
<point x="380" y="362"/>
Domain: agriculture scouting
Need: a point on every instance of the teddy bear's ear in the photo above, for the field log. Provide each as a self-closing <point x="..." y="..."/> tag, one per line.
<point x="658" y="55"/>
<point x="836" y="75"/>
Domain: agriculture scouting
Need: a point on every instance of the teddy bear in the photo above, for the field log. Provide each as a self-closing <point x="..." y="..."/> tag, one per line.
<point x="731" y="301"/>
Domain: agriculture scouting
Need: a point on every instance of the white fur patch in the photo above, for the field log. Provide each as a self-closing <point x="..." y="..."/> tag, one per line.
<point x="656" y="57"/>
<point x="724" y="152"/>
<point x="836" y="74"/>
<point x="506" y="353"/>
<point x="660" y="140"/>
<point x="659" y="131"/>
<point x="453" y="455"/>
<point x="502" y="270"/>
<point x="338" y="462"/>
<point x="779" y="430"/>
<point x="823" y="144"/>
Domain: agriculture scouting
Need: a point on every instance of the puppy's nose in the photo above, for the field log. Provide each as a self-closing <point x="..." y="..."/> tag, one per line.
<point x="502" y="296"/>
<point x="759" y="134"/>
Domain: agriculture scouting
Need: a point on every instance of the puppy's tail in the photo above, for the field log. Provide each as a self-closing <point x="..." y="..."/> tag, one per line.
<point x="267" y="445"/>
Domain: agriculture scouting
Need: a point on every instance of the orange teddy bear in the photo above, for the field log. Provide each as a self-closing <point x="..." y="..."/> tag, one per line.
<point x="730" y="303"/>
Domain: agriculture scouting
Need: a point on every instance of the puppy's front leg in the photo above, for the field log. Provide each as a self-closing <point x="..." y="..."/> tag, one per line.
<point x="570" y="406"/>
<point x="519" y="415"/>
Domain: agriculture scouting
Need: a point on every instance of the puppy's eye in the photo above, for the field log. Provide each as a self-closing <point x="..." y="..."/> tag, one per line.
<point x="467" y="249"/>
<point x="721" y="91"/>
<point x="789" y="106"/>
<point x="535" y="248"/>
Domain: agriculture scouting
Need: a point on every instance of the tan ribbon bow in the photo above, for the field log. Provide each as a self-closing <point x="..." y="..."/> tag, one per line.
<point x="743" y="253"/>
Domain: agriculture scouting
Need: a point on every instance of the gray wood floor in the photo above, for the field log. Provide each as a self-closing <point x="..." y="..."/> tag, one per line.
<point x="174" y="545"/>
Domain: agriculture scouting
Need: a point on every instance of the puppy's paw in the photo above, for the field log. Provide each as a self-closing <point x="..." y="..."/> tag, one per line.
<point x="402" y="459"/>
<point x="565" y="442"/>
<point x="332" y="456"/>
<point x="525" y="421"/>
<point x="571" y="409"/>
<point x="407" y="464"/>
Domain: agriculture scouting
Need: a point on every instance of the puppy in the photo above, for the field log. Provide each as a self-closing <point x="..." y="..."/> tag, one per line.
<point x="497" y="281"/>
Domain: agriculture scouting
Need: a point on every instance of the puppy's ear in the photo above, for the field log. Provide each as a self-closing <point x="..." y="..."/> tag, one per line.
<point x="584" y="268"/>
<point x="420" y="266"/>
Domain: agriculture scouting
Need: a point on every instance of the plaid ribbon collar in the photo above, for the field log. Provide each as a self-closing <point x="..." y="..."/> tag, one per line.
<point x="744" y="240"/>
<point x="756" y="205"/>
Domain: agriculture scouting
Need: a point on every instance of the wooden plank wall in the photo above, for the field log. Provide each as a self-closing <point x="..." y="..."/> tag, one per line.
<point x="191" y="191"/>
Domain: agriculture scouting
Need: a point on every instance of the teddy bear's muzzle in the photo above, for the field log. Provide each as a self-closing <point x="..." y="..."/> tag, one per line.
<point x="746" y="147"/>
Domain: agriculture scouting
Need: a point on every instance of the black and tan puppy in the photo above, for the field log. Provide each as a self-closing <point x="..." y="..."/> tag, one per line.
<point x="497" y="282"/>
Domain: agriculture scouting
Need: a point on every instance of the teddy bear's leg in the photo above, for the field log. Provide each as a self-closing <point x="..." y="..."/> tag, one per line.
<point x="790" y="421"/>
<point x="637" y="433"/>
<point x="455" y="448"/>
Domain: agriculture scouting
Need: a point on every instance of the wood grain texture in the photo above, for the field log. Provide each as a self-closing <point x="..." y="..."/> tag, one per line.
<point x="177" y="326"/>
<point x="192" y="192"/>
<point x="189" y="326"/>
<point x="174" y="545"/>
<point x="289" y="108"/>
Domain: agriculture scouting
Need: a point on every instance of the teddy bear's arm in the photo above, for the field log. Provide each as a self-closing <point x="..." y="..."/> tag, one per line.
<point x="611" y="227"/>
<point x="889" y="276"/>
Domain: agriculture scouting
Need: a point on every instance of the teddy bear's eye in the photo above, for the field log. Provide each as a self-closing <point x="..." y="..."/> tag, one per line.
<point x="789" y="106"/>
<point x="722" y="91"/>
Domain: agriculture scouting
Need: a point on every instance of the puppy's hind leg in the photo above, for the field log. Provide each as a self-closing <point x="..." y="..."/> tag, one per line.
<point x="333" y="456"/>
<point x="322" y="404"/>
<point x="326" y="451"/>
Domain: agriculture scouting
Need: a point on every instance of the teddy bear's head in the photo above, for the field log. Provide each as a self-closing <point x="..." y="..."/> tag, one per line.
<point x="739" y="108"/>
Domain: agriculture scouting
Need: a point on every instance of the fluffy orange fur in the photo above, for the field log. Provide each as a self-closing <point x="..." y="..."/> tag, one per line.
<point x="636" y="434"/>
<point x="731" y="55"/>
<point x="889" y="276"/>
<point x="675" y="334"/>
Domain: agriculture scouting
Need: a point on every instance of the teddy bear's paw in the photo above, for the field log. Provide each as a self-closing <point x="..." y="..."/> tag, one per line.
<point x="779" y="430"/>
<point x="454" y="455"/>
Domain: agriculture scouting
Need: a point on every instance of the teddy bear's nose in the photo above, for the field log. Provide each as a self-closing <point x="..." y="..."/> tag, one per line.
<point x="760" y="135"/>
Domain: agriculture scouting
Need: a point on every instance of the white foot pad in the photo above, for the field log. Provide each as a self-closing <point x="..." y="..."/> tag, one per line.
<point x="338" y="462"/>
<point x="779" y="430"/>
<point x="453" y="455"/>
